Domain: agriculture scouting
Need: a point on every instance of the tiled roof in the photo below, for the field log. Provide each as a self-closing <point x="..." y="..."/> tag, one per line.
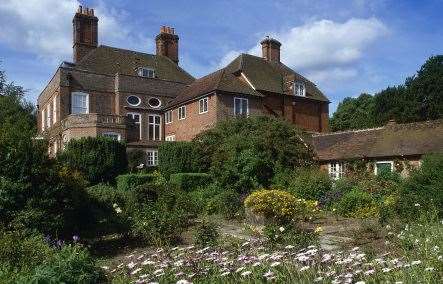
<point x="220" y="80"/>
<point x="263" y="75"/>
<point x="111" y="60"/>
<point x="391" y="140"/>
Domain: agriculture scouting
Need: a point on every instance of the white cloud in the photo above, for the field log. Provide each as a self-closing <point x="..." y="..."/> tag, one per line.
<point x="44" y="27"/>
<point x="324" y="49"/>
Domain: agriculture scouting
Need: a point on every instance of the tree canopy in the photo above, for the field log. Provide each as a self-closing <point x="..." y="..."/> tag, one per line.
<point x="419" y="98"/>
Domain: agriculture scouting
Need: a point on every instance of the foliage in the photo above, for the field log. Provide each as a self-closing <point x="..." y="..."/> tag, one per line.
<point x="189" y="181"/>
<point x="30" y="259"/>
<point x="357" y="203"/>
<point x="310" y="183"/>
<point x="288" y="235"/>
<point x="136" y="158"/>
<point x="130" y="181"/>
<point x="245" y="153"/>
<point x="206" y="233"/>
<point x="279" y="206"/>
<point x="418" y="99"/>
<point x="100" y="159"/>
<point x="178" y="157"/>
<point x="354" y="113"/>
<point x="424" y="187"/>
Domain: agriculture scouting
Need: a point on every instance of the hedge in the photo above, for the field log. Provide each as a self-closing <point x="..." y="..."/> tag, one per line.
<point x="189" y="181"/>
<point x="131" y="181"/>
<point x="100" y="159"/>
<point x="178" y="157"/>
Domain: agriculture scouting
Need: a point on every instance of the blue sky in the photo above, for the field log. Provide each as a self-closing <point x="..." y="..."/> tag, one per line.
<point x="345" y="47"/>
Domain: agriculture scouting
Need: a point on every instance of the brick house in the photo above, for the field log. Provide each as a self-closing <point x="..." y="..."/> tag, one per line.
<point x="398" y="147"/>
<point x="144" y="99"/>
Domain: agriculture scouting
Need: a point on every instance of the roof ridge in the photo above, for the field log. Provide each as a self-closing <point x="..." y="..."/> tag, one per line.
<point x="125" y="49"/>
<point x="348" y="131"/>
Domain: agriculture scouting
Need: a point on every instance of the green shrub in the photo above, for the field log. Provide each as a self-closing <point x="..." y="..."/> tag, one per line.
<point x="357" y="203"/>
<point x="310" y="184"/>
<point x="55" y="204"/>
<point x="130" y="181"/>
<point x="279" y="206"/>
<point x="227" y="203"/>
<point x="288" y="235"/>
<point x="30" y="259"/>
<point x="206" y="233"/>
<point x="136" y="158"/>
<point x="100" y="159"/>
<point x="71" y="264"/>
<point x="189" y="181"/>
<point x="424" y="188"/>
<point x="245" y="153"/>
<point x="178" y="157"/>
<point x="159" y="226"/>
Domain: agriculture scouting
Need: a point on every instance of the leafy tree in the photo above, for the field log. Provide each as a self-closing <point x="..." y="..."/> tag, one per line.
<point x="419" y="98"/>
<point x="245" y="153"/>
<point x="354" y="113"/>
<point x="35" y="193"/>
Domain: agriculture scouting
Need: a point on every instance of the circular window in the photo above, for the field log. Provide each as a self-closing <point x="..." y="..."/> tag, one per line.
<point x="154" y="102"/>
<point x="133" y="100"/>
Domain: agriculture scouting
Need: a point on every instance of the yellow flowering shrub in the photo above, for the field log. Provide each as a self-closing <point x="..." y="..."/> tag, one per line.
<point x="279" y="205"/>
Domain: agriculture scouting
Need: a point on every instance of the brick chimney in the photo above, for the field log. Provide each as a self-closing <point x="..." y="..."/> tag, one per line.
<point x="270" y="49"/>
<point x="85" y="37"/>
<point x="167" y="43"/>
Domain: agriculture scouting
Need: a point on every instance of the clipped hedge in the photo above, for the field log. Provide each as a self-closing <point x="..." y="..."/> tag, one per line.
<point x="131" y="181"/>
<point x="190" y="181"/>
<point x="178" y="157"/>
<point x="100" y="159"/>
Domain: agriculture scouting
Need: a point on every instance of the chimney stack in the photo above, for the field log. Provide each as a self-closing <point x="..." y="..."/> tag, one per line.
<point x="85" y="32"/>
<point x="167" y="43"/>
<point x="270" y="49"/>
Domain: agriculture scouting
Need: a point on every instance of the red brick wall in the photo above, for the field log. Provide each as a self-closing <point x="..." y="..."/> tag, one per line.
<point x="194" y="123"/>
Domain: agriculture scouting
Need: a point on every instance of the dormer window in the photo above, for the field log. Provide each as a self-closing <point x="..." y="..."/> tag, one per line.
<point x="146" y="72"/>
<point x="299" y="89"/>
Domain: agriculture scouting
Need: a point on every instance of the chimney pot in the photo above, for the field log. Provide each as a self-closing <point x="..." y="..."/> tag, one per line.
<point x="271" y="49"/>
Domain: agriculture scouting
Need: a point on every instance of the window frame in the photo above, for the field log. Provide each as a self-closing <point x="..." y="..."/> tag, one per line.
<point x="390" y="162"/>
<point x="296" y="88"/>
<point x="140" y="71"/>
<point x="43" y="117"/>
<point x="110" y="133"/>
<point x="170" y="138"/>
<point x="201" y="108"/>
<point x="336" y="170"/>
<point x="139" y="122"/>
<point x="154" y="153"/>
<point x="133" y="105"/>
<point x="48" y="115"/>
<point x="86" y="95"/>
<point x="241" y="106"/>
<point x="54" y="110"/>
<point x="180" y="111"/>
<point x="168" y="117"/>
<point x="154" y="124"/>
<point x="155" y="107"/>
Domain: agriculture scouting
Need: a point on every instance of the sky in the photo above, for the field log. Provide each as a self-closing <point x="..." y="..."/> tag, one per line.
<point x="346" y="47"/>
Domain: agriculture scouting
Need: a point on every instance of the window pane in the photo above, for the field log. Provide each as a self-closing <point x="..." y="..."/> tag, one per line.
<point x="244" y="106"/>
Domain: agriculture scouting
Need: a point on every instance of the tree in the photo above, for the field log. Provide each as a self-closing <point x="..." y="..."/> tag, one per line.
<point x="354" y="113"/>
<point x="419" y="98"/>
<point x="246" y="153"/>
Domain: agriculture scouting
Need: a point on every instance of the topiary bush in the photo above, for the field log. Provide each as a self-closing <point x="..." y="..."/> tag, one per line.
<point x="179" y="157"/>
<point x="130" y="181"/>
<point x="100" y="159"/>
<point x="190" y="181"/>
<point x="279" y="206"/>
